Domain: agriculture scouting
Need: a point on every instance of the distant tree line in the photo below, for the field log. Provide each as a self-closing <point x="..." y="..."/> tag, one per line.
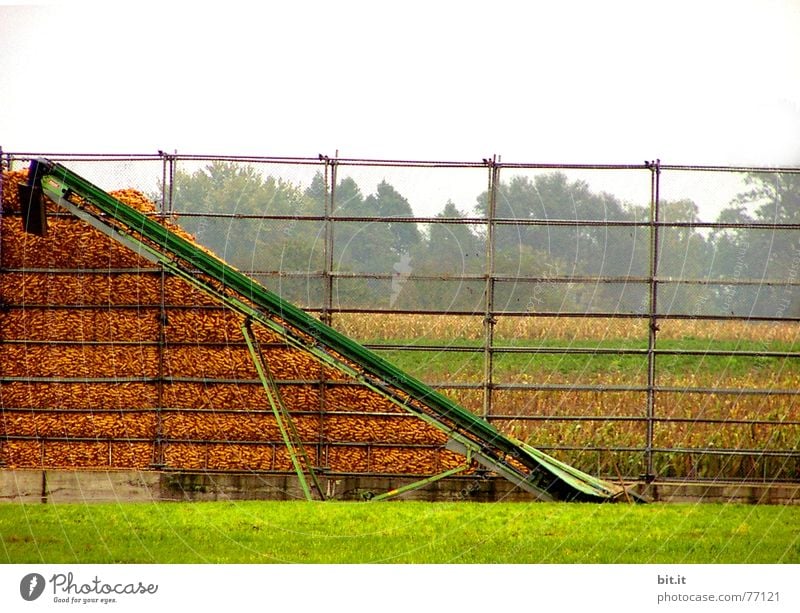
<point x="531" y="259"/>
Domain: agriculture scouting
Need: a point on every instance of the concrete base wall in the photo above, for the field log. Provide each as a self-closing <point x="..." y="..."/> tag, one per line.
<point x="775" y="493"/>
<point x="55" y="486"/>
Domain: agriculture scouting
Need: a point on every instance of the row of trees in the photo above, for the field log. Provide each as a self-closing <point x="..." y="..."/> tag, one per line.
<point x="614" y="245"/>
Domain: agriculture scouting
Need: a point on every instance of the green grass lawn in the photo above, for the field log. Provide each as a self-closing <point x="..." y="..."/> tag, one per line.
<point x="398" y="532"/>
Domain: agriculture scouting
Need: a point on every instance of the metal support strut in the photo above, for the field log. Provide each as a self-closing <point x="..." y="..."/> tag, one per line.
<point x="428" y="480"/>
<point x="291" y="438"/>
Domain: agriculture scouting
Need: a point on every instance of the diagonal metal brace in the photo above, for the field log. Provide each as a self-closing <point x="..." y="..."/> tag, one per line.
<point x="427" y="481"/>
<point x="288" y="431"/>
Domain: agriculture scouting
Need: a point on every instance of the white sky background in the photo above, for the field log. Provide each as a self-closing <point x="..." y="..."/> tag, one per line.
<point x="689" y="82"/>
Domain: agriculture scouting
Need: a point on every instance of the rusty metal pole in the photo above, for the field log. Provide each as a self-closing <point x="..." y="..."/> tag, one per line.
<point x="168" y="162"/>
<point x="330" y="207"/>
<point x="2" y="170"/>
<point x="171" y="192"/>
<point x="488" y="314"/>
<point x="158" y="442"/>
<point x="164" y="164"/>
<point x="327" y="299"/>
<point x="655" y="177"/>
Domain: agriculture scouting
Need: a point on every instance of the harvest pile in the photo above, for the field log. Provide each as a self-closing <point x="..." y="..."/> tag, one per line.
<point x="105" y="362"/>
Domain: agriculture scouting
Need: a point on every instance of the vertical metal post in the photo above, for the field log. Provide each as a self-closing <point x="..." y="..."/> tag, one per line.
<point x="655" y="177"/>
<point x="327" y="298"/>
<point x="167" y="181"/>
<point x="330" y="205"/>
<point x="167" y="192"/>
<point x="164" y="188"/>
<point x="171" y="192"/>
<point x="488" y="311"/>
<point x="158" y="442"/>
<point x="3" y="165"/>
<point x="2" y="170"/>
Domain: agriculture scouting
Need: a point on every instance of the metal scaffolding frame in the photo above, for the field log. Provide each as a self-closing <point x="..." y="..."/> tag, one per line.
<point x="489" y="348"/>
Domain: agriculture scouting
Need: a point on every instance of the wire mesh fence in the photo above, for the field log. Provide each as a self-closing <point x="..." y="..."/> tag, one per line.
<point x="638" y="321"/>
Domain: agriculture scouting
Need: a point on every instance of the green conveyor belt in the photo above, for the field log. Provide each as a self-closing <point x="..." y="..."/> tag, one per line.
<point x="547" y="477"/>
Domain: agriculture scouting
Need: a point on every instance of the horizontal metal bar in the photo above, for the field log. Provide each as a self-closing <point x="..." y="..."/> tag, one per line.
<point x="717" y="225"/>
<point x="477" y="312"/>
<point x="571" y="223"/>
<point x="226" y="441"/>
<point x="155" y="306"/>
<point x="335" y="219"/>
<point x="176" y="470"/>
<point x="501" y="278"/>
<point x="301" y="161"/>
<point x="556" y="280"/>
<point x="643" y="419"/>
<point x="566" y="350"/>
<point x="594" y="387"/>
<point x="719" y="317"/>
<point x="92" y="411"/>
<point x="497" y="221"/>
<point x="149" y="343"/>
<point x="563" y="387"/>
<point x="321" y="159"/>
<point x="295" y="382"/>
<point x="445" y="385"/>
<point x="518" y="279"/>
<point x="569" y="166"/>
<point x="211" y="411"/>
<point x="742" y="169"/>
<point x="347" y="275"/>
<point x="679" y="450"/>
<point x="714" y="480"/>
<point x="563" y="314"/>
<point x="792" y="453"/>
<point x="408" y="163"/>
<point x="481" y="312"/>
<point x="737" y="391"/>
<point x="80" y="343"/>
<point x="399" y="416"/>
<point x="727" y="282"/>
<point x="622" y="315"/>
<point x="508" y="349"/>
<point x="84" y="157"/>
<point x="158" y="157"/>
<point x="83" y="271"/>
<point x="44" y="306"/>
<point x="115" y="380"/>
<point x="424" y="348"/>
<point x="168" y="380"/>
<point x="75" y="439"/>
<point x="585" y="351"/>
<point x="65" y="215"/>
<point x="70" y="380"/>
<point x="730" y="353"/>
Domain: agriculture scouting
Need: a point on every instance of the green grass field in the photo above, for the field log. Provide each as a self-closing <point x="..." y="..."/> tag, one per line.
<point x="398" y="532"/>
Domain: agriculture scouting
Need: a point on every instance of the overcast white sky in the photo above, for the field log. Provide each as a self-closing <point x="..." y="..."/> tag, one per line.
<point x="705" y="82"/>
